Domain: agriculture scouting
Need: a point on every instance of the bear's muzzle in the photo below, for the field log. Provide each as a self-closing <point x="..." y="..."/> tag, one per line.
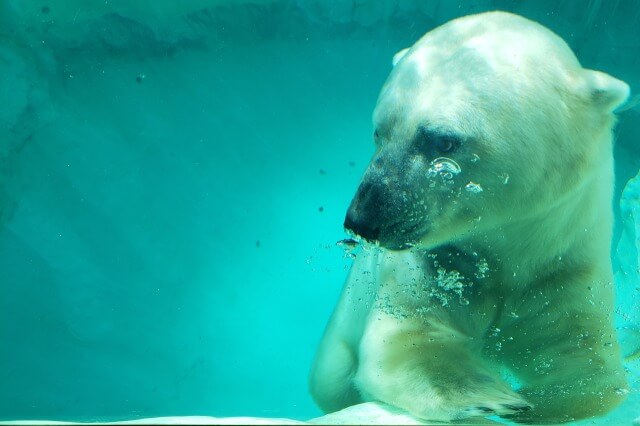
<point x="364" y="216"/>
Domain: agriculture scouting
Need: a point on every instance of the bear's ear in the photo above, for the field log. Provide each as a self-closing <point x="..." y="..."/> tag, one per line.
<point x="606" y="92"/>
<point x="398" y="56"/>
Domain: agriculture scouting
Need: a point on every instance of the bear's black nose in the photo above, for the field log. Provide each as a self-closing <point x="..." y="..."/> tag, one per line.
<point x="365" y="212"/>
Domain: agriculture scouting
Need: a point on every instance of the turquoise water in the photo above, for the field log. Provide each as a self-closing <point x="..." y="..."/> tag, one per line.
<point x="173" y="180"/>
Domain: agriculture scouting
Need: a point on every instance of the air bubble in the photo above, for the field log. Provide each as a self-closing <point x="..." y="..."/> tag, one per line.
<point x="474" y="188"/>
<point x="483" y="268"/>
<point x="446" y="167"/>
<point x="349" y="246"/>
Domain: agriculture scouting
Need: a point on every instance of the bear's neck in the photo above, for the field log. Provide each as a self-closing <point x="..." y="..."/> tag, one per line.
<point x="574" y="232"/>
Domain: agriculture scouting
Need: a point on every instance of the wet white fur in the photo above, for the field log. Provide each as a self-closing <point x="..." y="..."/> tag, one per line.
<point x="542" y="128"/>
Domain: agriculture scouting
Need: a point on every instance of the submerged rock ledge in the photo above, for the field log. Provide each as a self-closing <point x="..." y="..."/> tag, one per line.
<point x="370" y="413"/>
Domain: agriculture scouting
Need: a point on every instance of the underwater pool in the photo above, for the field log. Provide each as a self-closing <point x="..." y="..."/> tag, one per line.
<point x="174" y="178"/>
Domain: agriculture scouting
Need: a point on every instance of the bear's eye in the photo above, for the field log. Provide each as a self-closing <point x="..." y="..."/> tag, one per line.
<point x="433" y="142"/>
<point x="445" y="144"/>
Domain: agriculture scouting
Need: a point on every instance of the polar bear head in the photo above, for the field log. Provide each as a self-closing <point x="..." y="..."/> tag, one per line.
<point x="486" y="119"/>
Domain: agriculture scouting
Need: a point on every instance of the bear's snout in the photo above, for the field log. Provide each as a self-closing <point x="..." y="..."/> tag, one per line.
<point x="361" y="228"/>
<point x="364" y="214"/>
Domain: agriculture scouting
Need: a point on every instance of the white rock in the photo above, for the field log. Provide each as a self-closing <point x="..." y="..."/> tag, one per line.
<point x="375" y="413"/>
<point x="181" y="420"/>
<point x="370" y="413"/>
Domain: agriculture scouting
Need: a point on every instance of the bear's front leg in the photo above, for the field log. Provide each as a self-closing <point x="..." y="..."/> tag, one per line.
<point x="429" y="369"/>
<point x="568" y="362"/>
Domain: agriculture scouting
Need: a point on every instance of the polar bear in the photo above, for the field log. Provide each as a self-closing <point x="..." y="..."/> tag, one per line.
<point x="489" y="198"/>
